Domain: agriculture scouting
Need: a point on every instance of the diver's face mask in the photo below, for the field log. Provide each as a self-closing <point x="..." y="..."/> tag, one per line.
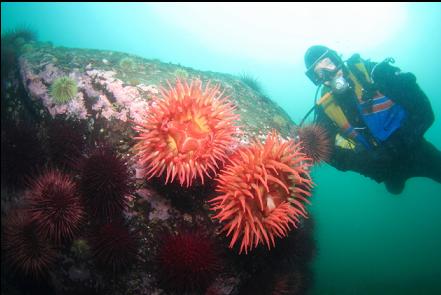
<point x="324" y="68"/>
<point x="327" y="70"/>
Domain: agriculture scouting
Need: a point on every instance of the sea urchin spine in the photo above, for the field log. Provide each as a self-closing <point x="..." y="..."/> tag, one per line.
<point x="27" y="252"/>
<point x="105" y="182"/>
<point x="188" y="260"/>
<point x="114" y="246"/>
<point x="63" y="89"/>
<point x="315" y="142"/>
<point x="55" y="206"/>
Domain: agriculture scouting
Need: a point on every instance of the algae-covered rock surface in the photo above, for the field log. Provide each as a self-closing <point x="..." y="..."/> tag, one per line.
<point x="115" y="85"/>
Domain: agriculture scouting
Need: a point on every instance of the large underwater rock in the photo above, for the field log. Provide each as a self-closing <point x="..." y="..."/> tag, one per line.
<point x="113" y="90"/>
<point x="114" y="86"/>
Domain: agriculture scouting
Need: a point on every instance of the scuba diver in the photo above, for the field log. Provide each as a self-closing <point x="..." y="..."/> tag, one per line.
<point x="376" y="117"/>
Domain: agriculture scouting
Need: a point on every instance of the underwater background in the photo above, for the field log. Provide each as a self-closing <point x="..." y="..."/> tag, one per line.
<point x="368" y="241"/>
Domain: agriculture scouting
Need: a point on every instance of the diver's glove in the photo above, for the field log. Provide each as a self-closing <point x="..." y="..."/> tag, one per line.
<point x="384" y="70"/>
<point x="390" y="79"/>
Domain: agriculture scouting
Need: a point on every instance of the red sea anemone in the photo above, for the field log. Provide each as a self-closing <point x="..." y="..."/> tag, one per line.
<point x="315" y="142"/>
<point x="114" y="246"/>
<point x="54" y="205"/>
<point x="188" y="261"/>
<point x="105" y="181"/>
<point x="262" y="192"/>
<point x="186" y="132"/>
<point x="26" y="251"/>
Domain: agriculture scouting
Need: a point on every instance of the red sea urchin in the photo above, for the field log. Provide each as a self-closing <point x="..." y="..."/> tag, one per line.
<point x="25" y="250"/>
<point x="21" y="152"/>
<point x="288" y="283"/>
<point x="186" y="132"/>
<point x="55" y="206"/>
<point x="188" y="261"/>
<point x="66" y="141"/>
<point x="114" y="246"/>
<point x="262" y="191"/>
<point x="105" y="181"/>
<point x="315" y="142"/>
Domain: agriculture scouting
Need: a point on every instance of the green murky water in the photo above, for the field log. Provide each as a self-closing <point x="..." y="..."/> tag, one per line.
<point x="369" y="241"/>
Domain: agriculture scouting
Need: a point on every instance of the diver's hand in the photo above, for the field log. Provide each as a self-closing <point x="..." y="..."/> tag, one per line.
<point x="392" y="82"/>
<point x="406" y="78"/>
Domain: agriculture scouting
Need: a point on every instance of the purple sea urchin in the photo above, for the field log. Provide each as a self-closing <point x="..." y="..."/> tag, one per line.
<point x="105" y="180"/>
<point x="26" y="251"/>
<point x="55" y="206"/>
<point x="21" y="153"/>
<point x="66" y="141"/>
<point x="114" y="246"/>
<point x="188" y="261"/>
<point x="315" y="142"/>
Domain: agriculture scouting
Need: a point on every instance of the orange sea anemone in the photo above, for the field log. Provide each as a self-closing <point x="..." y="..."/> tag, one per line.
<point x="262" y="192"/>
<point x="186" y="132"/>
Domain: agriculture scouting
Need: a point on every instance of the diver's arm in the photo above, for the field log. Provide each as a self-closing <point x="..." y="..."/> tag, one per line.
<point x="403" y="89"/>
<point x="391" y="81"/>
<point x="357" y="160"/>
<point x="344" y="159"/>
<point x="420" y="112"/>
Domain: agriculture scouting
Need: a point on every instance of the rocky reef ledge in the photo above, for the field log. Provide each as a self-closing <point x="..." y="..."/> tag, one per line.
<point x="73" y="111"/>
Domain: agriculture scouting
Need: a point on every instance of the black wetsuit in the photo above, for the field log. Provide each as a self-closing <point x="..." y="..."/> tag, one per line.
<point x="406" y="153"/>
